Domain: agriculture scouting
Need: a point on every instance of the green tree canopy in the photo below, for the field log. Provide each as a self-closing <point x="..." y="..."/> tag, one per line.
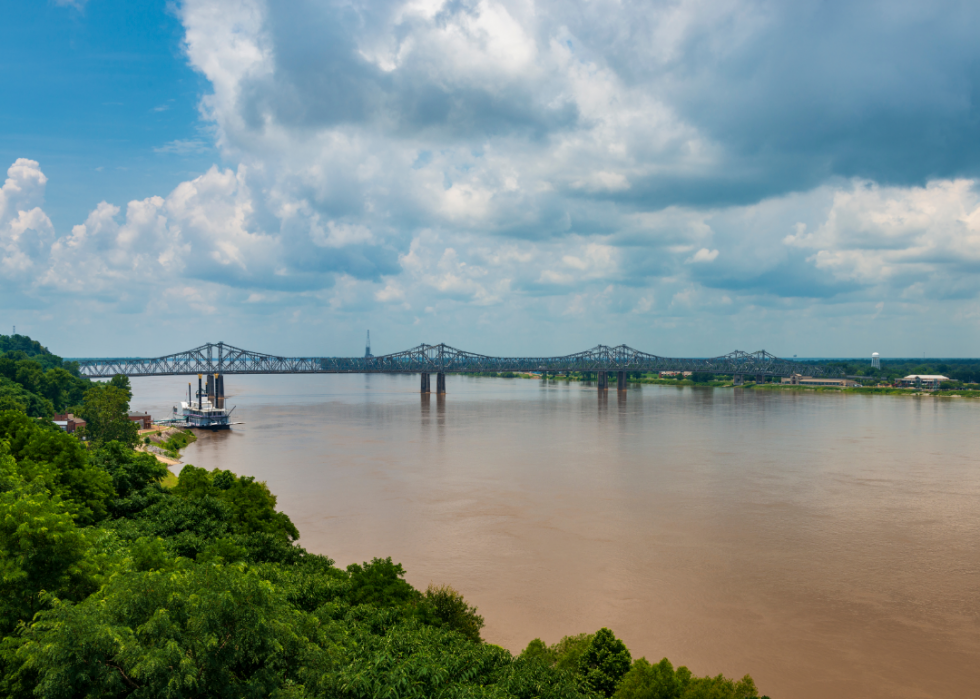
<point x="41" y="550"/>
<point x="660" y="681"/>
<point x="121" y="381"/>
<point x="106" y="414"/>
<point x="57" y="461"/>
<point x="187" y="631"/>
<point x="452" y="610"/>
<point x="252" y="504"/>
<point x="605" y="661"/>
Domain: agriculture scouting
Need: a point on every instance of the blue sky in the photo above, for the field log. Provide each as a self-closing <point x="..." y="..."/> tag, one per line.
<point x="507" y="176"/>
<point x="93" y="95"/>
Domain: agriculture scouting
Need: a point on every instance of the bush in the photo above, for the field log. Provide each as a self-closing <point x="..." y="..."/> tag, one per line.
<point x="453" y="611"/>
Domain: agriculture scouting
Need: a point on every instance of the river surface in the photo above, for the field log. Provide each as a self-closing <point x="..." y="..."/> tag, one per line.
<point x="827" y="545"/>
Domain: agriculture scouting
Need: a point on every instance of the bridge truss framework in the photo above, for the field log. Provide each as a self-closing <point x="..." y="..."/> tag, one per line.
<point x="222" y="358"/>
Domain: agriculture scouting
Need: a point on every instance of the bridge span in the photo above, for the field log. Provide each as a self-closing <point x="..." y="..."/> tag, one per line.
<point x="442" y="359"/>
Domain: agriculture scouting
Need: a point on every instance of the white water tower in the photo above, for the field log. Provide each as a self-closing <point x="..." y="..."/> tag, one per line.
<point x="875" y="360"/>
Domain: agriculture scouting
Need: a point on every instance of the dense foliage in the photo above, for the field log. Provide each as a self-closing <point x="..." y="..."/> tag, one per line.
<point x="34" y="381"/>
<point x="112" y="585"/>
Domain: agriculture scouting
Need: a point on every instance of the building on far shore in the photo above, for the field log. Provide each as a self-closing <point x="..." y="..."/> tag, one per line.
<point x="68" y="422"/>
<point x="798" y="380"/>
<point x="921" y="380"/>
<point x="144" y="419"/>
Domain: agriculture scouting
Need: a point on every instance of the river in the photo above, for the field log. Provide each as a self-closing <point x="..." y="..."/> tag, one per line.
<point x="828" y="545"/>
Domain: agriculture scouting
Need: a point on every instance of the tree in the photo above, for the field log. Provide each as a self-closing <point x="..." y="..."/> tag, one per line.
<point x="605" y="662"/>
<point x="647" y="681"/>
<point x="453" y="611"/>
<point x="537" y="652"/>
<point x="719" y="687"/>
<point x="660" y="681"/>
<point x="252" y="504"/>
<point x="62" y="389"/>
<point x="121" y="381"/>
<point x="30" y="375"/>
<point x="9" y="402"/>
<point x="106" y="414"/>
<point x="568" y="652"/>
<point x="189" y="630"/>
<point x="380" y="582"/>
<point x="55" y="460"/>
<point x="41" y="551"/>
<point x="14" y="397"/>
<point x="131" y="471"/>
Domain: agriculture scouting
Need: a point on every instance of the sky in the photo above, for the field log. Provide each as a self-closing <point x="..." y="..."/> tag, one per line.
<point x="511" y="177"/>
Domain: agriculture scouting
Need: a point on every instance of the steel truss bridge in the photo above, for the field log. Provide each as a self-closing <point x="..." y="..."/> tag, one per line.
<point x="442" y="359"/>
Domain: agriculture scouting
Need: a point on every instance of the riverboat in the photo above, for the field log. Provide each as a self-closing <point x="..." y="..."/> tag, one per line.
<point x="208" y="412"/>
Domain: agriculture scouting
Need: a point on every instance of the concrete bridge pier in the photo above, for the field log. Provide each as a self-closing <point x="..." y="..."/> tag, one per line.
<point x="425" y="382"/>
<point x="620" y="380"/>
<point x="603" y="380"/>
<point x="738" y="379"/>
<point x="440" y="383"/>
<point x="760" y="379"/>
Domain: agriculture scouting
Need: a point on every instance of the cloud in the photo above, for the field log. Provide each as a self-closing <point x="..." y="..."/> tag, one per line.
<point x="704" y="255"/>
<point x="899" y="237"/>
<point x="26" y="233"/>
<point x="183" y="146"/>
<point x="540" y="160"/>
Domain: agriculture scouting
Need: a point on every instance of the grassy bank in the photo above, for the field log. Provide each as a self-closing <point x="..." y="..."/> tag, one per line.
<point x="169" y="440"/>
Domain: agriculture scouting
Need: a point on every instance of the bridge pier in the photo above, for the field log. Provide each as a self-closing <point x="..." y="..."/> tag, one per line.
<point x="603" y="380"/>
<point x="425" y="382"/>
<point x="620" y="380"/>
<point x="760" y="379"/>
<point x="440" y="383"/>
<point x="738" y="379"/>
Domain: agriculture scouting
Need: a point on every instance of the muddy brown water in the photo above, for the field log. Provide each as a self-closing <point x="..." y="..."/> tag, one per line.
<point x="827" y="545"/>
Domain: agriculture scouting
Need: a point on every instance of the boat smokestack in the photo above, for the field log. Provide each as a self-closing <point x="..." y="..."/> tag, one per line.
<point x="199" y="392"/>
<point x="211" y="387"/>
<point x="190" y="401"/>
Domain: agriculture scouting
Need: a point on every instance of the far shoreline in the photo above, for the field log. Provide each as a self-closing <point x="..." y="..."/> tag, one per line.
<point x="748" y="385"/>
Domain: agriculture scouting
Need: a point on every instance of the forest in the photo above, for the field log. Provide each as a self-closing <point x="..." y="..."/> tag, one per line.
<point x="112" y="585"/>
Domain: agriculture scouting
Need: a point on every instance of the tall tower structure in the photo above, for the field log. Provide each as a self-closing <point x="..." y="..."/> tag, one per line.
<point x="367" y="346"/>
<point x="875" y="360"/>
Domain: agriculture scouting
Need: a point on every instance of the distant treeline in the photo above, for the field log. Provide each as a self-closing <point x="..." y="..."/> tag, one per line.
<point x="962" y="370"/>
<point x="35" y="381"/>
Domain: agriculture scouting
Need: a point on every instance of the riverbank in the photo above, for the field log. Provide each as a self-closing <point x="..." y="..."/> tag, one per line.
<point x="166" y="444"/>
<point x="863" y="390"/>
